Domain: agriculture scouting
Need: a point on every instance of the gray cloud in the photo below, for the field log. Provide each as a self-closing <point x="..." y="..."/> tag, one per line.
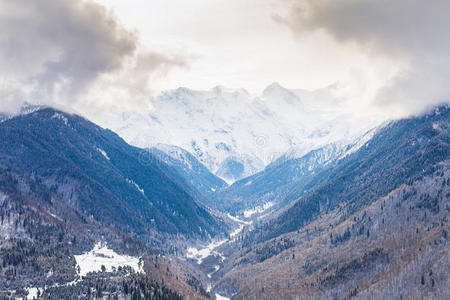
<point x="59" y="49"/>
<point x="411" y="31"/>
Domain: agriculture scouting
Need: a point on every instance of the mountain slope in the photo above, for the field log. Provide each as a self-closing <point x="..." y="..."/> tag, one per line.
<point x="193" y="172"/>
<point x="41" y="237"/>
<point x="373" y="225"/>
<point x="97" y="173"/>
<point x="397" y="153"/>
<point x="395" y="248"/>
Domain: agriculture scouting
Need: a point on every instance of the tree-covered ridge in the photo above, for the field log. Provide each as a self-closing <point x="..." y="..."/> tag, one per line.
<point x="400" y="152"/>
<point x="94" y="171"/>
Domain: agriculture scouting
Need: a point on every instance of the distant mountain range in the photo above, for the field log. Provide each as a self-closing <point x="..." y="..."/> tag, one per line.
<point x="235" y="134"/>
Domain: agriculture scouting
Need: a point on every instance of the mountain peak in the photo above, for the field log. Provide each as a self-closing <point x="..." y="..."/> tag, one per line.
<point x="274" y="86"/>
<point x="276" y="91"/>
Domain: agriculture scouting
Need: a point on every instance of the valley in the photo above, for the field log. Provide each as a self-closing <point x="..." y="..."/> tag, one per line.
<point x="89" y="216"/>
<point x="224" y="150"/>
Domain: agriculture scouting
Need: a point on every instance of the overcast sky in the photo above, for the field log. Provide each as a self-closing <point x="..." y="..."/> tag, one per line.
<point x="392" y="56"/>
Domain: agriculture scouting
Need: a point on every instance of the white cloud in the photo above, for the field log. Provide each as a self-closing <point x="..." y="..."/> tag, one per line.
<point x="410" y="33"/>
<point x="389" y="56"/>
<point x="60" y="52"/>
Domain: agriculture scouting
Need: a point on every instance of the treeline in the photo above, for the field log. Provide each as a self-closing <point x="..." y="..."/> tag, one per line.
<point x="122" y="284"/>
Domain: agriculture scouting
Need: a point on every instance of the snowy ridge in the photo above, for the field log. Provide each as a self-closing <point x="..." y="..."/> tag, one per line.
<point x="361" y="141"/>
<point x="175" y="152"/>
<point x="24" y="110"/>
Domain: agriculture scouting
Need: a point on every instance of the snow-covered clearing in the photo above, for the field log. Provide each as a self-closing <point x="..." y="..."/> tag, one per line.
<point x="32" y="291"/>
<point x="92" y="261"/>
<point x="101" y="255"/>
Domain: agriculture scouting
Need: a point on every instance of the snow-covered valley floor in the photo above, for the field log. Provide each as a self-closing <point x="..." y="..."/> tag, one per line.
<point x="211" y="257"/>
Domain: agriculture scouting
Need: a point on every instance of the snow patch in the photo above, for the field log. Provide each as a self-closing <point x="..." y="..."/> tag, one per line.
<point x="105" y="155"/>
<point x="216" y="268"/>
<point x="55" y="216"/>
<point x="33" y="292"/>
<point x="136" y="186"/>
<point x="219" y="297"/>
<point x="239" y="220"/>
<point x="237" y="231"/>
<point x="2" y="198"/>
<point x="259" y="209"/>
<point x="60" y="117"/>
<point x="101" y="255"/>
<point x="201" y="254"/>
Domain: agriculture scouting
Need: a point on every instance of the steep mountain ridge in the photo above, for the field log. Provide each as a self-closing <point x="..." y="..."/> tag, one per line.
<point x="193" y="172"/>
<point x="97" y="173"/>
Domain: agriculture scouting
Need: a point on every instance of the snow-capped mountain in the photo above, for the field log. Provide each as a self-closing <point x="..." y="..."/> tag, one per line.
<point x="342" y="148"/>
<point x="291" y="171"/>
<point x="220" y="125"/>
